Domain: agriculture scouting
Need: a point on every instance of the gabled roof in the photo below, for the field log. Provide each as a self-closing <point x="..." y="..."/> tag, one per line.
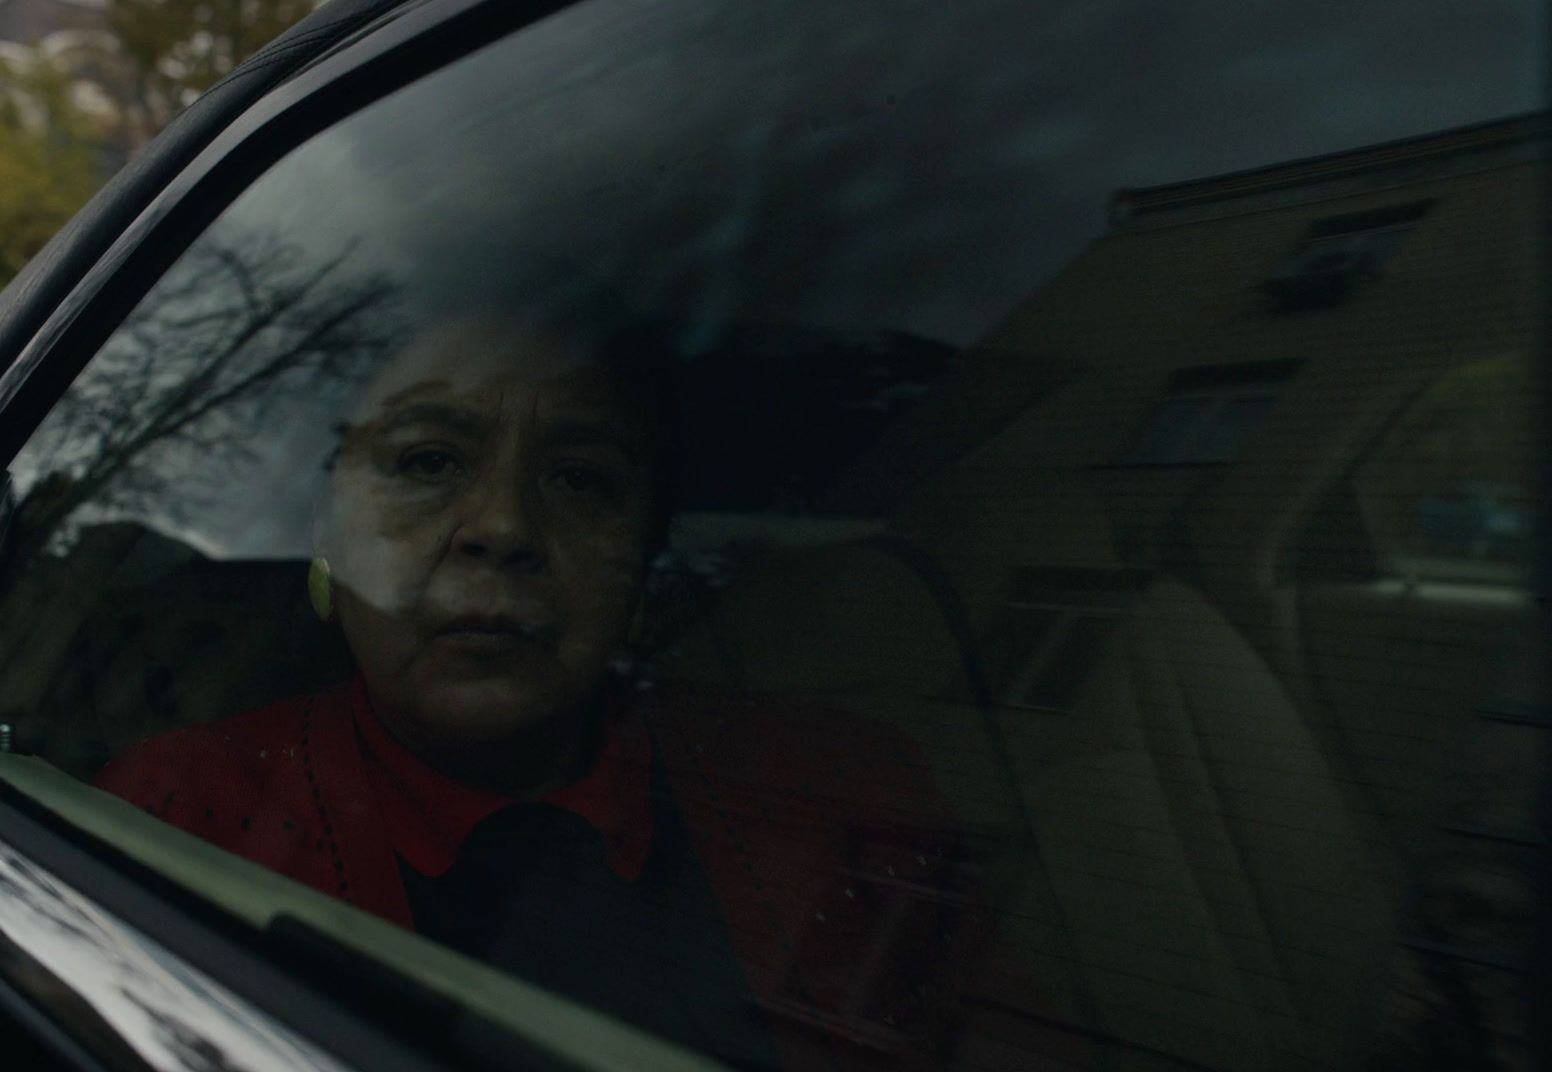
<point x="1459" y="149"/>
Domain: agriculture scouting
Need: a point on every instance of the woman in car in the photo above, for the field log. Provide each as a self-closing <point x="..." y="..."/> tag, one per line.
<point x="489" y="781"/>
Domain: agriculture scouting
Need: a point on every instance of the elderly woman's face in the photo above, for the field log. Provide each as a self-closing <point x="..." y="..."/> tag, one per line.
<point x="490" y="508"/>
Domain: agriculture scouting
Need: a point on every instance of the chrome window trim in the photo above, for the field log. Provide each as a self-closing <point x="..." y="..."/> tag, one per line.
<point x="168" y="1012"/>
<point x="199" y="936"/>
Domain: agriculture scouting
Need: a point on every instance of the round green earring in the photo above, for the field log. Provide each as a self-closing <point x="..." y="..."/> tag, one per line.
<point x="320" y="588"/>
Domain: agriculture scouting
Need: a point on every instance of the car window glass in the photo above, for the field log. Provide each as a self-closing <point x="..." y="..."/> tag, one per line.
<point x="868" y="535"/>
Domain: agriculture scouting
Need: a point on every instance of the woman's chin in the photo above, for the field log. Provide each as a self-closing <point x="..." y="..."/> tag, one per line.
<point x="488" y="711"/>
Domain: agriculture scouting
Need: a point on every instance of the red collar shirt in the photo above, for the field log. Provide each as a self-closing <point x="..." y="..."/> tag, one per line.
<point x="429" y="816"/>
<point x="813" y="839"/>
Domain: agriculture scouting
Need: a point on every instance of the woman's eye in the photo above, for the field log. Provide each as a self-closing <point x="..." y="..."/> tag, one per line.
<point x="430" y="464"/>
<point x="582" y="480"/>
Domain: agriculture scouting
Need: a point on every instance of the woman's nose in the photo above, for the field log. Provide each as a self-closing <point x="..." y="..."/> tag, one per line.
<point x="499" y="526"/>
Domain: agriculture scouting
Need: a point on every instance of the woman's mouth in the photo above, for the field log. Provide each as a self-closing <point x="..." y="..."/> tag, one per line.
<point x="493" y="634"/>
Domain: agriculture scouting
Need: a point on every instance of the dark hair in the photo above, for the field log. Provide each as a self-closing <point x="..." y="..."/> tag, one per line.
<point x="642" y="353"/>
<point x="643" y="357"/>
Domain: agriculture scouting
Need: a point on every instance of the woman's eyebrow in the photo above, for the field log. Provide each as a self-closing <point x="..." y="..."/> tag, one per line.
<point x="592" y="433"/>
<point x="453" y="418"/>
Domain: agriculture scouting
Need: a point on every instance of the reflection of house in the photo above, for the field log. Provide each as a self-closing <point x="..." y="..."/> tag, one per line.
<point x="1339" y="285"/>
<point x="1244" y="349"/>
<point x="1253" y="352"/>
<point x="1155" y="529"/>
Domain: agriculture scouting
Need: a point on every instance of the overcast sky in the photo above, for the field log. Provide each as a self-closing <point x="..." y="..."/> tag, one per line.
<point x="906" y="164"/>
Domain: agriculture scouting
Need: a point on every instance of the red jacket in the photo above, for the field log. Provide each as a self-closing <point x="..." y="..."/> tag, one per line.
<point x="848" y="898"/>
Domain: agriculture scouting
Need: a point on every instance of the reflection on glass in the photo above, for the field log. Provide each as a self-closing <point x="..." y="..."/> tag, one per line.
<point x="1448" y="489"/>
<point x="172" y="421"/>
<point x="704" y="534"/>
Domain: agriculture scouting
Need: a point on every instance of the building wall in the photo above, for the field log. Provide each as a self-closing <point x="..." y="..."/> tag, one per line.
<point x="1270" y="743"/>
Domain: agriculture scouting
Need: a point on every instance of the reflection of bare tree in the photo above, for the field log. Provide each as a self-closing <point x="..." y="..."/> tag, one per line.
<point x="191" y="424"/>
<point x="179" y="398"/>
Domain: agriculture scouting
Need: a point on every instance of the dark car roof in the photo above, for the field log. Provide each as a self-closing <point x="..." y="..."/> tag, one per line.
<point x="34" y="294"/>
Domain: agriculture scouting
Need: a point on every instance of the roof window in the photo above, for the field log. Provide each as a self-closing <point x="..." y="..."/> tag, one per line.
<point x="1337" y="253"/>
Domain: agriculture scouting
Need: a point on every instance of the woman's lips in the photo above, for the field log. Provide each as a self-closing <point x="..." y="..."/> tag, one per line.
<point x="498" y="634"/>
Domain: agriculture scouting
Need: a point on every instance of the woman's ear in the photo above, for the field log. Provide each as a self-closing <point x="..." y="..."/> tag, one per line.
<point x="320" y="588"/>
<point x="320" y="577"/>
